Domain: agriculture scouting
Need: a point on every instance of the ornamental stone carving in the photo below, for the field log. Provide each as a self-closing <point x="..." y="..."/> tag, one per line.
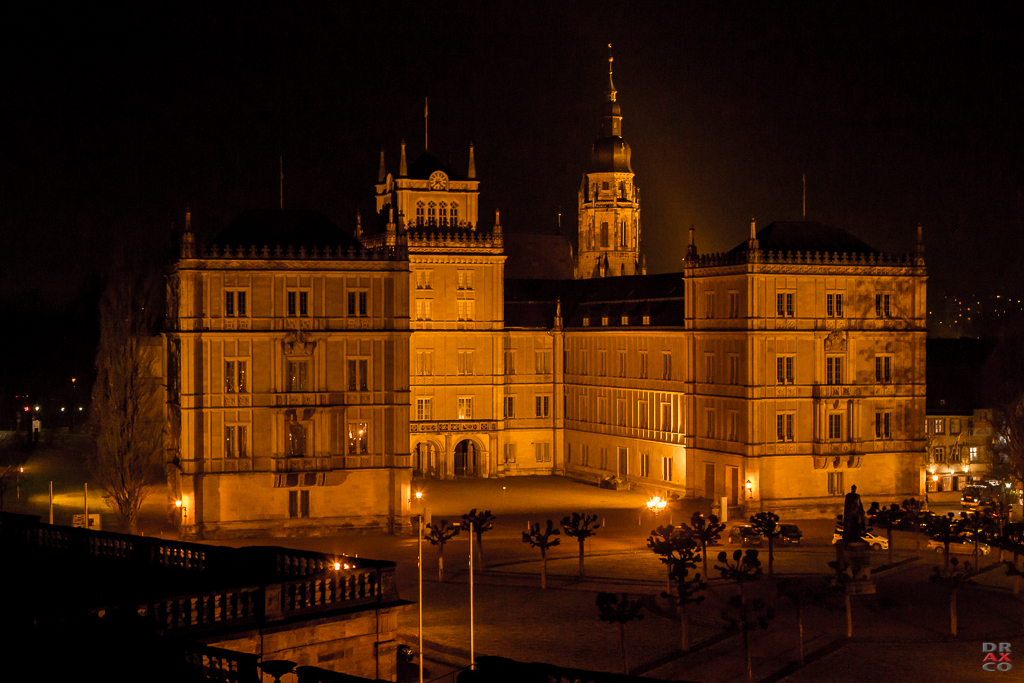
<point x="298" y="343"/>
<point x="835" y="342"/>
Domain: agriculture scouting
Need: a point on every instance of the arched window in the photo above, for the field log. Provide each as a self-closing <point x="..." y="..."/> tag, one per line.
<point x="444" y="214"/>
<point x="419" y="214"/>
<point x="622" y="189"/>
<point x="622" y="234"/>
<point x="431" y="214"/>
<point x="604" y="233"/>
<point x="455" y="215"/>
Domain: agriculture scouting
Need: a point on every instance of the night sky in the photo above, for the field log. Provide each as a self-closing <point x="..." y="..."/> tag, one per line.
<point x="117" y="119"/>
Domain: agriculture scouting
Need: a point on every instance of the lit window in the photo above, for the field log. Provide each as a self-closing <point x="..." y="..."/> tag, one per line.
<point x="358" y="438"/>
<point x="466" y="408"/>
<point x="236" y="441"/>
<point x="297" y="375"/>
<point x="236" y="377"/>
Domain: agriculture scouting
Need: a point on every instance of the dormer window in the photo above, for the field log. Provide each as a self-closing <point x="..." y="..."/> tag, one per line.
<point x="586" y="322"/>
<point x="604" y="320"/>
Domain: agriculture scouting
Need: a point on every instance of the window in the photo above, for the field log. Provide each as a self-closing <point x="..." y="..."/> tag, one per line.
<point x="424" y="363"/>
<point x="645" y="465"/>
<point x="602" y="410"/>
<point x="464" y="279"/>
<point x="604" y="458"/>
<point x="784" y="426"/>
<point x="604" y="320"/>
<point x="734" y="368"/>
<point x="784" y="369"/>
<point x="465" y="309"/>
<point x="585" y="455"/>
<point x="881" y="305"/>
<point x="709" y="368"/>
<point x="296" y="436"/>
<point x="583" y="416"/>
<point x="357" y="303"/>
<point x="666" y="365"/>
<point x="647" y="320"/>
<point x="542" y="406"/>
<point x="954" y="455"/>
<point x="643" y="365"/>
<point x="510" y="453"/>
<point x="297" y="375"/>
<point x="510" y="361"/>
<point x="358" y="374"/>
<point x="622" y="363"/>
<point x="298" y="503"/>
<point x="710" y="423"/>
<point x="235" y="377"/>
<point x="423" y="279"/>
<point x="542" y="360"/>
<point x="883" y="369"/>
<point x="444" y="214"/>
<point x="298" y="302"/>
<point x="641" y="411"/>
<point x="835" y="426"/>
<point x="466" y="408"/>
<point x="734" y="304"/>
<point x="835" y="484"/>
<point x="970" y="426"/>
<point x="784" y="304"/>
<point x="424" y="408"/>
<point x="666" y="417"/>
<point x="883" y="425"/>
<point x="620" y="412"/>
<point x="465" y="362"/>
<point x="938" y="426"/>
<point x="734" y="425"/>
<point x="583" y="361"/>
<point x="423" y="309"/>
<point x="604" y="230"/>
<point x="622" y="235"/>
<point x="510" y="407"/>
<point x="419" y="214"/>
<point x="624" y="321"/>
<point x="236" y="441"/>
<point x="954" y="425"/>
<point x="666" y="469"/>
<point x="709" y="304"/>
<point x="834" y="305"/>
<point x="432" y="213"/>
<point x="358" y="438"/>
<point x="455" y="214"/>
<point x="939" y="454"/>
<point x="834" y="370"/>
<point x="235" y="303"/>
<point x="542" y="451"/>
<point x="972" y="454"/>
<point x="602" y="366"/>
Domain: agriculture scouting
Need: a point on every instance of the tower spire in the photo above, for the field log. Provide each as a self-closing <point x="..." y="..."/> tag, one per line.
<point x="472" y="163"/>
<point x="426" y="138"/>
<point x="402" y="170"/>
<point x="611" y="84"/>
<point x="382" y="173"/>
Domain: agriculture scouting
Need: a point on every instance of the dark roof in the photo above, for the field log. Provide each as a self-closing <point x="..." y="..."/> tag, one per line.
<point x="538" y="256"/>
<point x="426" y="164"/>
<point x="532" y="303"/>
<point x="954" y="373"/>
<point x="807" y="236"/>
<point x="610" y="154"/>
<point x="273" y="227"/>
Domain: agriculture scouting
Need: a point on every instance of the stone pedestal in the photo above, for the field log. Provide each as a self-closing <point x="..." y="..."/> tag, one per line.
<point x="856" y="556"/>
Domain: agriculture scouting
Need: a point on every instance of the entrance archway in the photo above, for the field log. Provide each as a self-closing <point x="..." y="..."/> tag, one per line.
<point x="424" y="460"/>
<point x="465" y="458"/>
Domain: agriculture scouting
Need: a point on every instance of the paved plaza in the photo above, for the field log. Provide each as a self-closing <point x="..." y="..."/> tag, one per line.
<point x="902" y="632"/>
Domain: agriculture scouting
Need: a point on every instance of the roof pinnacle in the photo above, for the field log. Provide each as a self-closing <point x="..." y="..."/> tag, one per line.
<point x="611" y="84"/>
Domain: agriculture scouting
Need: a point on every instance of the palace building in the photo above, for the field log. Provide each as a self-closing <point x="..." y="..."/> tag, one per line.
<point x="313" y="371"/>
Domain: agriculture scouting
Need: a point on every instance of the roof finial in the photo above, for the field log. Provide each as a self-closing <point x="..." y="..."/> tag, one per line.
<point x="753" y="229"/>
<point x="611" y="84"/>
<point x="382" y="173"/>
<point x="472" y="163"/>
<point x="402" y="171"/>
<point x="691" y="249"/>
<point x="188" y="240"/>
<point x="426" y="139"/>
<point x="359" y="225"/>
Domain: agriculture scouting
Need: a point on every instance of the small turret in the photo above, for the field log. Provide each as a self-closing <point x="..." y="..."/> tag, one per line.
<point x="382" y="173"/>
<point x="691" y="249"/>
<point x="471" y="173"/>
<point x="188" y="240"/>
<point x="403" y="169"/>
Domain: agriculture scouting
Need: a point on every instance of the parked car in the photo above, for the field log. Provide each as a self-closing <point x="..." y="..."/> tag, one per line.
<point x="744" y="535"/>
<point x="960" y="546"/>
<point x="789" y="533"/>
<point x="974" y="496"/>
<point x="876" y="542"/>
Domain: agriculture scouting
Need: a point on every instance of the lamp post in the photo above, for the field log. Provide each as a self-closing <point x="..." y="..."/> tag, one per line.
<point x="419" y="569"/>
<point x="180" y="504"/>
<point x="656" y="505"/>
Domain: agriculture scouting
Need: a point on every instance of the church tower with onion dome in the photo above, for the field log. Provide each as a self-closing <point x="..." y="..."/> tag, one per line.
<point x="609" y="202"/>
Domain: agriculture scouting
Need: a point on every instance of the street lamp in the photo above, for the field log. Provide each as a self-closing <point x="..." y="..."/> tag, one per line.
<point x="419" y="569"/>
<point x="656" y="505"/>
<point x="180" y="504"/>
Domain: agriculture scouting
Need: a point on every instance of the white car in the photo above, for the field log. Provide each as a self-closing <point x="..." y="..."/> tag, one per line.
<point x="876" y="542"/>
<point x="958" y="547"/>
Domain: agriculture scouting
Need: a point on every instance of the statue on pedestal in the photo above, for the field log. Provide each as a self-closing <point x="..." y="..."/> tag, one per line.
<point x="854" y="520"/>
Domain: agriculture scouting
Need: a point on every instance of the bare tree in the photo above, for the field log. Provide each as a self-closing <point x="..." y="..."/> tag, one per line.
<point x="706" y="531"/>
<point x="767" y="524"/>
<point x="479" y="523"/>
<point x="620" y="611"/>
<point x="439" y="534"/>
<point x="541" y="538"/>
<point x="127" y="418"/>
<point x="680" y="551"/>
<point x="581" y="527"/>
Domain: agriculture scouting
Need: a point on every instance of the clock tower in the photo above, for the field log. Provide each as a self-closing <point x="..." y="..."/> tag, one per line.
<point x="609" y="202"/>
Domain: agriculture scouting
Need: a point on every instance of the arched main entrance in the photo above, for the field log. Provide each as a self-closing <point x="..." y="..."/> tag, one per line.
<point x="424" y="460"/>
<point x="466" y="458"/>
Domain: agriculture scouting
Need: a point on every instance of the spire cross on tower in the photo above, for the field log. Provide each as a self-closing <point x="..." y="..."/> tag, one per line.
<point x="611" y="84"/>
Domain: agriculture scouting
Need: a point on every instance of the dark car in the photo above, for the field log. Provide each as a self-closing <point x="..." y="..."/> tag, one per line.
<point x="744" y="535"/>
<point x="974" y="496"/>
<point x="789" y="533"/>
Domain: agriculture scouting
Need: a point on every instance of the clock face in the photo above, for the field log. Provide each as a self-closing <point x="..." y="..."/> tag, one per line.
<point x="438" y="181"/>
